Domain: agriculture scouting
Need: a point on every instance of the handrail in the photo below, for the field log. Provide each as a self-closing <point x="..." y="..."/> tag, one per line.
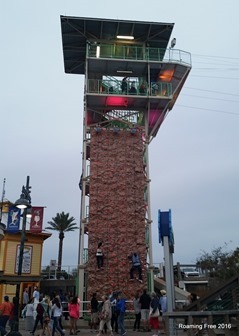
<point x="192" y="321"/>
<point x="105" y="86"/>
<point x="139" y="53"/>
<point x="231" y="285"/>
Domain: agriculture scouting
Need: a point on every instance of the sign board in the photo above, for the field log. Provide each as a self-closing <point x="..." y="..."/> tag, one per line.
<point x="53" y="265"/>
<point x="27" y="259"/>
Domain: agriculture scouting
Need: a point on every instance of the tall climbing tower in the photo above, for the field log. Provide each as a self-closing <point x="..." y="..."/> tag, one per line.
<point x="133" y="76"/>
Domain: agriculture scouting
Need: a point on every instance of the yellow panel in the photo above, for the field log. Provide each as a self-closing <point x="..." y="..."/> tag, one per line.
<point x="36" y="259"/>
<point x="35" y="267"/>
<point x="2" y="248"/>
<point x="10" y="258"/>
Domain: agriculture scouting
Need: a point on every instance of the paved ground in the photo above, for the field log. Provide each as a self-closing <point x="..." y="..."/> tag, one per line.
<point x="84" y="331"/>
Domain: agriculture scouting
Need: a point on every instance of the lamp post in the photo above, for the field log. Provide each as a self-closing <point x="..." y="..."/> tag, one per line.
<point x="2" y="226"/>
<point x="24" y="202"/>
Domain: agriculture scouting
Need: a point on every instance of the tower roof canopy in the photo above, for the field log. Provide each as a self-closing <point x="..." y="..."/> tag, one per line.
<point x="76" y="31"/>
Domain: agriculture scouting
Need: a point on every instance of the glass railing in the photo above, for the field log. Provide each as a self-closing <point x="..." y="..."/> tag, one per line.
<point x="65" y="272"/>
<point x="130" y="88"/>
<point x="85" y="256"/>
<point x="138" y="53"/>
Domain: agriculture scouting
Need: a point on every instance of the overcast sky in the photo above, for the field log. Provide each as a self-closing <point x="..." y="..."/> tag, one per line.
<point x="194" y="162"/>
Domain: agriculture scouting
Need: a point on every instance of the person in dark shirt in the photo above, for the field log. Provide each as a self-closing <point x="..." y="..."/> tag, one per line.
<point x="114" y="318"/>
<point x="145" y="305"/>
<point x="94" y="312"/>
<point x="124" y="86"/>
<point x="132" y="89"/>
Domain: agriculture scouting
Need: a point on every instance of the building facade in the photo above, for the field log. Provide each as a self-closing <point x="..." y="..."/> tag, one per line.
<point x="9" y="254"/>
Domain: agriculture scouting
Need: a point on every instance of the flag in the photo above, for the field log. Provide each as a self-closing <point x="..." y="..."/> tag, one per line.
<point x="36" y="219"/>
<point x="13" y="220"/>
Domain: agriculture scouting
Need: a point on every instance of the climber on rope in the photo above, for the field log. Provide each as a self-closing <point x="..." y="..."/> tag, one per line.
<point x="99" y="256"/>
<point x="136" y="266"/>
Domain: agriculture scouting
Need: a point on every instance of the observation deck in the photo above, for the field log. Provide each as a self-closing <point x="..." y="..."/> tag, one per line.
<point x="91" y="47"/>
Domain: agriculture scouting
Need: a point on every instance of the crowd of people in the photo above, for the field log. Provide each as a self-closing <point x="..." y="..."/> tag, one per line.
<point x="109" y="313"/>
<point x="45" y="310"/>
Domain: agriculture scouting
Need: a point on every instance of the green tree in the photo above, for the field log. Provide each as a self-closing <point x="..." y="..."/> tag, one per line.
<point x="61" y="223"/>
<point x="219" y="263"/>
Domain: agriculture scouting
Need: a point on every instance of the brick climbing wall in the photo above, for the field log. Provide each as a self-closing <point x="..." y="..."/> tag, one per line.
<point x="117" y="210"/>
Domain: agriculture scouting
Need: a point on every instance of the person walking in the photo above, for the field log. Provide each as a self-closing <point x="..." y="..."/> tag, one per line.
<point x="144" y="301"/>
<point x="94" y="312"/>
<point x="105" y="316"/>
<point x="114" y="318"/>
<point x="27" y="314"/>
<point x="56" y="315"/>
<point x="46" y="316"/>
<point x="36" y="295"/>
<point x="154" y="313"/>
<point x="5" y="312"/>
<point x="164" y="306"/>
<point x="25" y="298"/>
<point x="39" y="316"/>
<point x="121" y="313"/>
<point x="137" y="312"/>
<point x="74" y="313"/>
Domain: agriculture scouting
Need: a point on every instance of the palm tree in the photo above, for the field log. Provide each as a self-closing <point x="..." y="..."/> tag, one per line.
<point x="61" y="223"/>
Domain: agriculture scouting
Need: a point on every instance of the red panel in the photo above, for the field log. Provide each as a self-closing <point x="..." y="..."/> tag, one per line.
<point x="116" y="101"/>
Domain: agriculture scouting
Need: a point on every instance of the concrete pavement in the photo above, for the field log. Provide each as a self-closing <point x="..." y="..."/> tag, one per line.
<point x="85" y="331"/>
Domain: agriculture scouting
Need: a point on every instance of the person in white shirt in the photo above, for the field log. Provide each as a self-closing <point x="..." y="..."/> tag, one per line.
<point x="27" y="313"/>
<point x="25" y="298"/>
<point x="36" y="294"/>
<point x="56" y="310"/>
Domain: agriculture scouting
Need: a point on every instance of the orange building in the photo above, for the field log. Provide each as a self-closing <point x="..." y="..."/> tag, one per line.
<point x="32" y="257"/>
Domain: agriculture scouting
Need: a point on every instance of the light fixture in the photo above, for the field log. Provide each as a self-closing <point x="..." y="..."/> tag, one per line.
<point x="125" y="71"/>
<point x="25" y="199"/>
<point x="125" y="37"/>
<point x="173" y="42"/>
<point x="22" y="203"/>
<point x="97" y="51"/>
<point x="29" y="213"/>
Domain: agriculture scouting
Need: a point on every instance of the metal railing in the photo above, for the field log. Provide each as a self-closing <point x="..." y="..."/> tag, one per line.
<point x="99" y="86"/>
<point x="139" y="53"/>
<point x="202" y="322"/>
<point x="66" y="272"/>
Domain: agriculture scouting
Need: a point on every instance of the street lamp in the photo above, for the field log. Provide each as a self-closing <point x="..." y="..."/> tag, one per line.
<point x="2" y="226"/>
<point x="24" y="202"/>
